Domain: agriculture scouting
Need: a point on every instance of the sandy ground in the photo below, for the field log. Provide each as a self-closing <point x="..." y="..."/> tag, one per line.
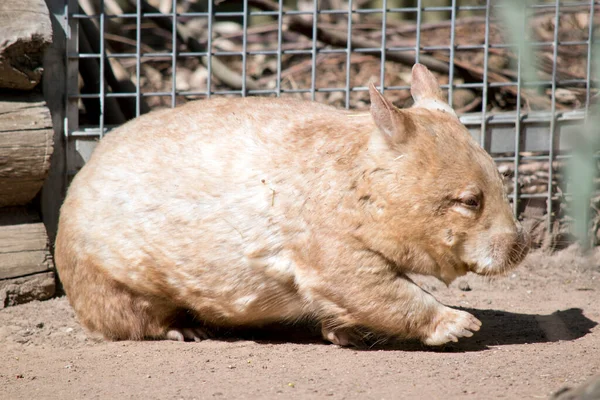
<point x="540" y="333"/>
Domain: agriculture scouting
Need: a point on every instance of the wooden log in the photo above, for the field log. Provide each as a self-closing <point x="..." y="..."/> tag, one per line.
<point x="25" y="32"/>
<point x="26" y="144"/>
<point x="24" y="247"/>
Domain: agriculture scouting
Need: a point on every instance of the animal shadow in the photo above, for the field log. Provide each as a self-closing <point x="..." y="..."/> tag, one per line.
<point x="507" y="328"/>
<point x="499" y="328"/>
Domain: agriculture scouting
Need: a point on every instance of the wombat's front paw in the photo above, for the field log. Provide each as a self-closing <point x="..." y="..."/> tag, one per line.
<point x="452" y="324"/>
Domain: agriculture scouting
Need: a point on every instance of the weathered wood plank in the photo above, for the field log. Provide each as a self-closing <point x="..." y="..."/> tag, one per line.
<point x="24" y="237"/>
<point x="28" y="288"/>
<point x="26" y="146"/>
<point x="23" y="162"/>
<point x="25" y="32"/>
<point x="13" y="265"/>
<point x="24" y="248"/>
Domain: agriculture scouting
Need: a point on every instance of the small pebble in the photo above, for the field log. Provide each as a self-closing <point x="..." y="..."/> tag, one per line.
<point x="464" y="286"/>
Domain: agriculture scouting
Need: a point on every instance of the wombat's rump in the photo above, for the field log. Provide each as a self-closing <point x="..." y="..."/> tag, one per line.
<point x="255" y="210"/>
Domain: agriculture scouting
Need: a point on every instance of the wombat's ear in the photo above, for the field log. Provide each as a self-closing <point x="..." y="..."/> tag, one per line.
<point x="389" y="120"/>
<point x="424" y="85"/>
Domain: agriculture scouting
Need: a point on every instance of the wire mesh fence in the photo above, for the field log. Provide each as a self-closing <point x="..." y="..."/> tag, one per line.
<point x="126" y="58"/>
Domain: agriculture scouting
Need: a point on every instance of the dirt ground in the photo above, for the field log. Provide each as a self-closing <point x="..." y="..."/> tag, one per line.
<point x="540" y="333"/>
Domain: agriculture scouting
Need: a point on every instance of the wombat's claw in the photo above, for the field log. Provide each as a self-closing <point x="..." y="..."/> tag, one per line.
<point x="190" y="334"/>
<point x="453" y="325"/>
<point x="338" y="337"/>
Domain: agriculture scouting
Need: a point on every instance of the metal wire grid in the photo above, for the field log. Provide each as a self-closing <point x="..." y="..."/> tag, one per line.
<point x="507" y="131"/>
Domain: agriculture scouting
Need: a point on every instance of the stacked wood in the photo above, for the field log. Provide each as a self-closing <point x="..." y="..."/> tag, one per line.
<point x="26" y="136"/>
<point x="25" y="32"/>
<point x="26" y="145"/>
<point x="534" y="175"/>
<point x="26" y="268"/>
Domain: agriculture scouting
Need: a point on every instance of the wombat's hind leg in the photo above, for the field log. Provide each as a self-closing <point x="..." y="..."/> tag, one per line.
<point x="118" y="313"/>
<point x="107" y="307"/>
<point x="127" y="316"/>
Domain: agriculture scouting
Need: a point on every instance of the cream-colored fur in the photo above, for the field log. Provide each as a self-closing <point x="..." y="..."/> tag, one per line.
<point x="248" y="211"/>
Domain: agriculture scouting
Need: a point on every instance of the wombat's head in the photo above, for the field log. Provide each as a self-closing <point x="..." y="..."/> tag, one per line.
<point x="440" y="194"/>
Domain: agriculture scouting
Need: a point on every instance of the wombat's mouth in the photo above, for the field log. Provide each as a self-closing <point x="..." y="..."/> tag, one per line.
<point x="503" y="253"/>
<point x="501" y="264"/>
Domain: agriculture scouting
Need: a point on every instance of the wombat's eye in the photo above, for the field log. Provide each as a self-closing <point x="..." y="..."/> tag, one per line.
<point x="470" y="201"/>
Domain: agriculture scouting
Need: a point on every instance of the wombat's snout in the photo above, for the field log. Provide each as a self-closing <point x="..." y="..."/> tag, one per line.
<point x="520" y="246"/>
<point x="507" y="250"/>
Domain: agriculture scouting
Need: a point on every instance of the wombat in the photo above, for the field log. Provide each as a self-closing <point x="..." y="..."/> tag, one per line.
<point x="249" y="211"/>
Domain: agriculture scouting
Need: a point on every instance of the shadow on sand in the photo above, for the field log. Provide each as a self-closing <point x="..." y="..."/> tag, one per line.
<point x="499" y="328"/>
